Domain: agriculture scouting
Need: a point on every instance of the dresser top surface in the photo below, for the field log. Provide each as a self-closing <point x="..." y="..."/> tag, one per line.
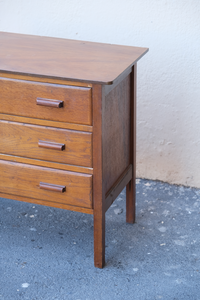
<point x="65" y="59"/>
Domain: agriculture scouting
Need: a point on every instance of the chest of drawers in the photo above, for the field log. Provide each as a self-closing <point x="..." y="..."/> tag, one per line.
<point x="67" y="125"/>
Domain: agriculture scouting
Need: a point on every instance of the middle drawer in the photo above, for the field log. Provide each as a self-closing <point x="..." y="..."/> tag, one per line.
<point x="46" y="143"/>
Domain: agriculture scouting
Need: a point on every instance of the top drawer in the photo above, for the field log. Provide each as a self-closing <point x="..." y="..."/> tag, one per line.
<point x="24" y="98"/>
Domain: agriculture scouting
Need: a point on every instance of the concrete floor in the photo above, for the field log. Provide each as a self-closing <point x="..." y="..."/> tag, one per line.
<point x="47" y="253"/>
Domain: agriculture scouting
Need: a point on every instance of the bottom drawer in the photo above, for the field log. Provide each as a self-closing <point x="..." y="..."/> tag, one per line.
<point x="46" y="184"/>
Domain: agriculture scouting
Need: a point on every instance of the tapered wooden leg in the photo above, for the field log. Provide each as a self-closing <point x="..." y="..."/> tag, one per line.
<point x="130" y="188"/>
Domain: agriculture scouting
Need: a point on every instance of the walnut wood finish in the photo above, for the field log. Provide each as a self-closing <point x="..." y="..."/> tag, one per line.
<point x="68" y="125"/>
<point x="116" y="127"/>
<point x="49" y="203"/>
<point x="130" y="188"/>
<point x="48" y="123"/>
<point x="48" y="164"/>
<point x="68" y="59"/>
<point x="116" y="189"/>
<point x="29" y="77"/>
<point x="24" y="180"/>
<point x="18" y="97"/>
<point x="98" y="186"/>
<point x="46" y="143"/>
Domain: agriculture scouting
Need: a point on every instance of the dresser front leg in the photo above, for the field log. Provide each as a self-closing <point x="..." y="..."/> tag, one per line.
<point x="99" y="239"/>
<point x="98" y="185"/>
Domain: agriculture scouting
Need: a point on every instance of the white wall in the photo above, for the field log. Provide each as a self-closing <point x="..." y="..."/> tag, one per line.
<point x="168" y="132"/>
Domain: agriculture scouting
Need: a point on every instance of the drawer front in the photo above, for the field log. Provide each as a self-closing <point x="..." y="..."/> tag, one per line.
<point x="46" y="143"/>
<point x="46" y="184"/>
<point x="40" y="100"/>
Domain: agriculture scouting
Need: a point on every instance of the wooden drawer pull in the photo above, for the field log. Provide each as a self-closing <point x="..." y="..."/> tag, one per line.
<point x="52" y="187"/>
<point x="51" y="145"/>
<point x="49" y="102"/>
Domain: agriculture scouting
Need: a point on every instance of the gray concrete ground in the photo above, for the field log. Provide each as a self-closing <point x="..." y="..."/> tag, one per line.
<point x="47" y="253"/>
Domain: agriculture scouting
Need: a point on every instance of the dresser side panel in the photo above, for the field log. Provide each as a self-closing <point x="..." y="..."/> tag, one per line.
<point x="116" y="137"/>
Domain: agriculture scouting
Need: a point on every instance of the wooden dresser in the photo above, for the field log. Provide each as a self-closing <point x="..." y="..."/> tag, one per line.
<point x="67" y="125"/>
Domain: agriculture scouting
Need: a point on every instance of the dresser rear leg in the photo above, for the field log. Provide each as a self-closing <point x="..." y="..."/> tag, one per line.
<point x="131" y="188"/>
<point x="130" y="201"/>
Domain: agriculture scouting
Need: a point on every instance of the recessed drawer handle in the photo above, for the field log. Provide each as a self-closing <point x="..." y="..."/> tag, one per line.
<point x="49" y="102"/>
<point x="52" y="187"/>
<point x="51" y="145"/>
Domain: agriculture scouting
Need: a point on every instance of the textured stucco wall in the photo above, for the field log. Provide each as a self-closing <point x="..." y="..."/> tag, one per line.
<point x="168" y="132"/>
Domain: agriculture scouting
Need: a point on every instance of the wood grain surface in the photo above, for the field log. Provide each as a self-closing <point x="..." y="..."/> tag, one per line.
<point x="131" y="188"/>
<point x="48" y="164"/>
<point x="26" y="141"/>
<point x="18" y="97"/>
<point x="48" y="123"/>
<point x="49" y="203"/>
<point x="24" y="180"/>
<point x="98" y="183"/>
<point x="116" y="133"/>
<point x="118" y="186"/>
<point x="69" y="59"/>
